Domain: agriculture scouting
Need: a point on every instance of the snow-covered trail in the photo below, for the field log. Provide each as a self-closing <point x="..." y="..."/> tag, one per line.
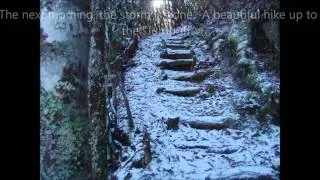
<point x="243" y="151"/>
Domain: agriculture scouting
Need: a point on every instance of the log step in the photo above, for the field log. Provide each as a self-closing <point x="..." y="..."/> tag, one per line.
<point x="194" y="77"/>
<point x="176" y="54"/>
<point x="202" y="123"/>
<point x="185" y="92"/>
<point x="179" y="38"/>
<point x="177" y="46"/>
<point x="174" y="41"/>
<point x="178" y="64"/>
<point x="208" y="123"/>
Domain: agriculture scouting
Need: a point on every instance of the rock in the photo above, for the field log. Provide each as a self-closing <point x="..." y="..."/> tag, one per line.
<point x="163" y="76"/>
<point x="128" y="176"/>
<point x="160" y="90"/>
<point x="173" y="123"/>
<point x="122" y="137"/>
<point x="178" y="64"/>
<point x="137" y="131"/>
<point x="248" y="105"/>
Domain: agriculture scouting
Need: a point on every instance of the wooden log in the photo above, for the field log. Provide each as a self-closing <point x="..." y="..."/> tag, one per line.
<point x="192" y="147"/>
<point x="195" y="77"/>
<point x="176" y="56"/>
<point x="176" y="46"/>
<point x="178" y="64"/>
<point x="146" y="148"/>
<point x="207" y="125"/>
<point x="185" y="92"/>
<point x="174" y="41"/>
<point x="204" y="122"/>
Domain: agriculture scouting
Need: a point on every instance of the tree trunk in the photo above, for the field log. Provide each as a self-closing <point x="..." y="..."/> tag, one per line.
<point x="96" y="93"/>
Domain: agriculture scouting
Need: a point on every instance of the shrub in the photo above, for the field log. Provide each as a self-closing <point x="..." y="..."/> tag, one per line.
<point x="64" y="147"/>
<point x="252" y="81"/>
<point x="271" y="107"/>
<point x="232" y="45"/>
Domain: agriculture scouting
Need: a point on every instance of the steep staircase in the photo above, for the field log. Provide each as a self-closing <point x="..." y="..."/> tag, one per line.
<point x="195" y="131"/>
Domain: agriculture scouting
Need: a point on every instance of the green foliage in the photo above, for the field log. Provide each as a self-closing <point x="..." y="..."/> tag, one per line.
<point x="264" y="111"/>
<point x="253" y="96"/>
<point x="210" y="88"/>
<point x="207" y="38"/>
<point x="62" y="48"/>
<point x="51" y="108"/>
<point x="252" y="81"/>
<point x="271" y="107"/>
<point x="248" y="73"/>
<point x="76" y="135"/>
<point x="64" y="149"/>
<point x="231" y="48"/>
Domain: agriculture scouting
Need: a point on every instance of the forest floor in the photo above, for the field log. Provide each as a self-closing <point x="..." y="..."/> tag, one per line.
<point x="239" y="151"/>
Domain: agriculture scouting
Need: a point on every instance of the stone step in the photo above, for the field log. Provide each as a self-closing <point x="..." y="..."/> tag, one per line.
<point x="177" y="64"/>
<point x="183" y="92"/>
<point x="176" y="54"/>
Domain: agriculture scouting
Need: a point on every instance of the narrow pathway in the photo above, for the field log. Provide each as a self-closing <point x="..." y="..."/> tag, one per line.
<point x="195" y="131"/>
